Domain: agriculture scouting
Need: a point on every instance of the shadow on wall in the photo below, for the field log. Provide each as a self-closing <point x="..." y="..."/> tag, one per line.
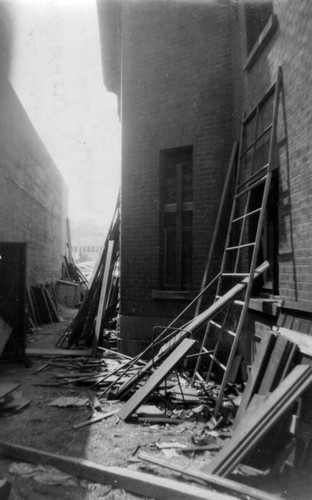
<point x="6" y="38"/>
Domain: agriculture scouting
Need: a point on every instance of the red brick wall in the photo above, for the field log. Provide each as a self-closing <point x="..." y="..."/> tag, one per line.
<point x="290" y="47"/>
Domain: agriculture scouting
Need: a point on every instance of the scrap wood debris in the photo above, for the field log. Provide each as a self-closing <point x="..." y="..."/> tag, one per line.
<point x="101" y="300"/>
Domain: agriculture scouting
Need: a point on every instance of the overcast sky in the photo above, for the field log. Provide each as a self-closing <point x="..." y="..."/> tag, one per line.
<point x="56" y="72"/>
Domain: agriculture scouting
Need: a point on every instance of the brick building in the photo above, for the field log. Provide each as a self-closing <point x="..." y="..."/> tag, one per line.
<point x="185" y="73"/>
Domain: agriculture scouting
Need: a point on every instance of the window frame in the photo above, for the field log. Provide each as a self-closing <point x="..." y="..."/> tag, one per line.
<point x="180" y="207"/>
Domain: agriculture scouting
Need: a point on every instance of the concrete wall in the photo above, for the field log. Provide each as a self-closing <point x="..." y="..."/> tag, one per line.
<point x="176" y="91"/>
<point x="33" y="201"/>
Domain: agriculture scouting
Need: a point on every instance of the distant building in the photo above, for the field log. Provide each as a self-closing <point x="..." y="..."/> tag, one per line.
<point x="185" y="73"/>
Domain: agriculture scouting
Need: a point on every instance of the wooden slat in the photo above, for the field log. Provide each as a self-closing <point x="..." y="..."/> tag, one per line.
<point x="5" y="332"/>
<point x="277" y="359"/>
<point x="274" y="407"/>
<point x="226" y="485"/>
<point x="7" y="387"/>
<point x="103" y="297"/>
<point x="303" y="340"/>
<point x="139" y="483"/>
<point x="156" y="379"/>
<point x="255" y="375"/>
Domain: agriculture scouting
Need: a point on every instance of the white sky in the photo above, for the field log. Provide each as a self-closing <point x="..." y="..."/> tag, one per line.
<point x="56" y="72"/>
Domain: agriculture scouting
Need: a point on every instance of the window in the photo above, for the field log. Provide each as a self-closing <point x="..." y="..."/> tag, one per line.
<point x="257" y="14"/>
<point x="176" y="192"/>
<point x="268" y="250"/>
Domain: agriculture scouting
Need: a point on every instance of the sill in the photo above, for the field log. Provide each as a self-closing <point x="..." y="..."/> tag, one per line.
<point x="269" y="306"/>
<point x="262" y="41"/>
<point x="297" y="306"/>
<point x="173" y="294"/>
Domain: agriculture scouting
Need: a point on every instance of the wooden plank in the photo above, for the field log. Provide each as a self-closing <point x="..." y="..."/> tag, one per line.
<point x="221" y="483"/>
<point x="255" y="375"/>
<point x="103" y="296"/>
<point x="46" y="352"/>
<point x="7" y="387"/>
<point x="133" y="481"/>
<point x="303" y="340"/>
<point x="156" y="379"/>
<point x="93" y="420"/>
<point x="274" y="407"/>
<point x="277" y="359"/>
<point x="5" y="332"/>
<point x="191" y="327"/>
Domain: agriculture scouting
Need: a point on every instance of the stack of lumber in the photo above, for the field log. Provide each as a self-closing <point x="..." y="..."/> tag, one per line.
<point x="271" y="398"/>
<point x="42" y="305"/>
<point x="71" y="272"/>
<point x="102" y="296"/>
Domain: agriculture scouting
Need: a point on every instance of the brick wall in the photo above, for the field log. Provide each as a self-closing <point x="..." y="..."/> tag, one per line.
<point x="176" y="91"/>
<point x="289" y="47"/>
<point x="33" y="201"/>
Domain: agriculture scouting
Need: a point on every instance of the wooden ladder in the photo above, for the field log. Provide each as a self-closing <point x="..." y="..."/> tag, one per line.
<point x="256" y="162"/>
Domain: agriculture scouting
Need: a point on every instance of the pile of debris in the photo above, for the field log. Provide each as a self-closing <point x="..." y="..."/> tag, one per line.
<point x="100" y="305"/>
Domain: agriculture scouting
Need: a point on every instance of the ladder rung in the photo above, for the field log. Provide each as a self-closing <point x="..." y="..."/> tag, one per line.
<point x="256" y="211"/>
<point x="236" y="275"/>
<point x="218" y="362"/>
<point x="252" y="186"/>
<point x="264" y="99"/>
<point x="265" y="131"/>
<point x="241" y="246"/>
<point x="253" y="176"/>
<point x="239" y="303"/>
<point x="226" y="330"/>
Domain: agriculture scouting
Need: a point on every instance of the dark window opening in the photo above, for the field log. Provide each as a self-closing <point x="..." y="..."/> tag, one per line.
<point x="268" y="249"/>
<point x="176" y="217"/>
<point x="257" y="14"/>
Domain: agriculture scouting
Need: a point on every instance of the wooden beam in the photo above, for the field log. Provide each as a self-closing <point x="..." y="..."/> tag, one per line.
<point x="191" y="327"/>
<point x="103" y="296"/>
<point x="46" y="352"/>
<point x="255" y="375"/>
<point x="156" y="379"/>
<point x="303" y="340"/>
<point x="273" y="408"/>
<point x="220" y="483"/>
<point x="274" y="369"/>
<point x="133" y="481"/>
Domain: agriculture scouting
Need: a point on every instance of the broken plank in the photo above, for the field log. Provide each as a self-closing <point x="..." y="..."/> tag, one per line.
<point x="274" y="407"/>
<point x="215" y="481"/>
<point x="303" y="340"/>
<point x="160" y="420"/>
<point x="256" y="373"/>
<point x="7" y="387"/>
<point x="277" y="359"/>
<point x="156" y="378"/>
<point x="37" y="351"/>
<point x="93" y="420"/>
<point x="133" y="481"/>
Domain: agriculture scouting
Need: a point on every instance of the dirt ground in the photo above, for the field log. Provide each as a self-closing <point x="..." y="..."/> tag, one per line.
<point x="108" y="442"/>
